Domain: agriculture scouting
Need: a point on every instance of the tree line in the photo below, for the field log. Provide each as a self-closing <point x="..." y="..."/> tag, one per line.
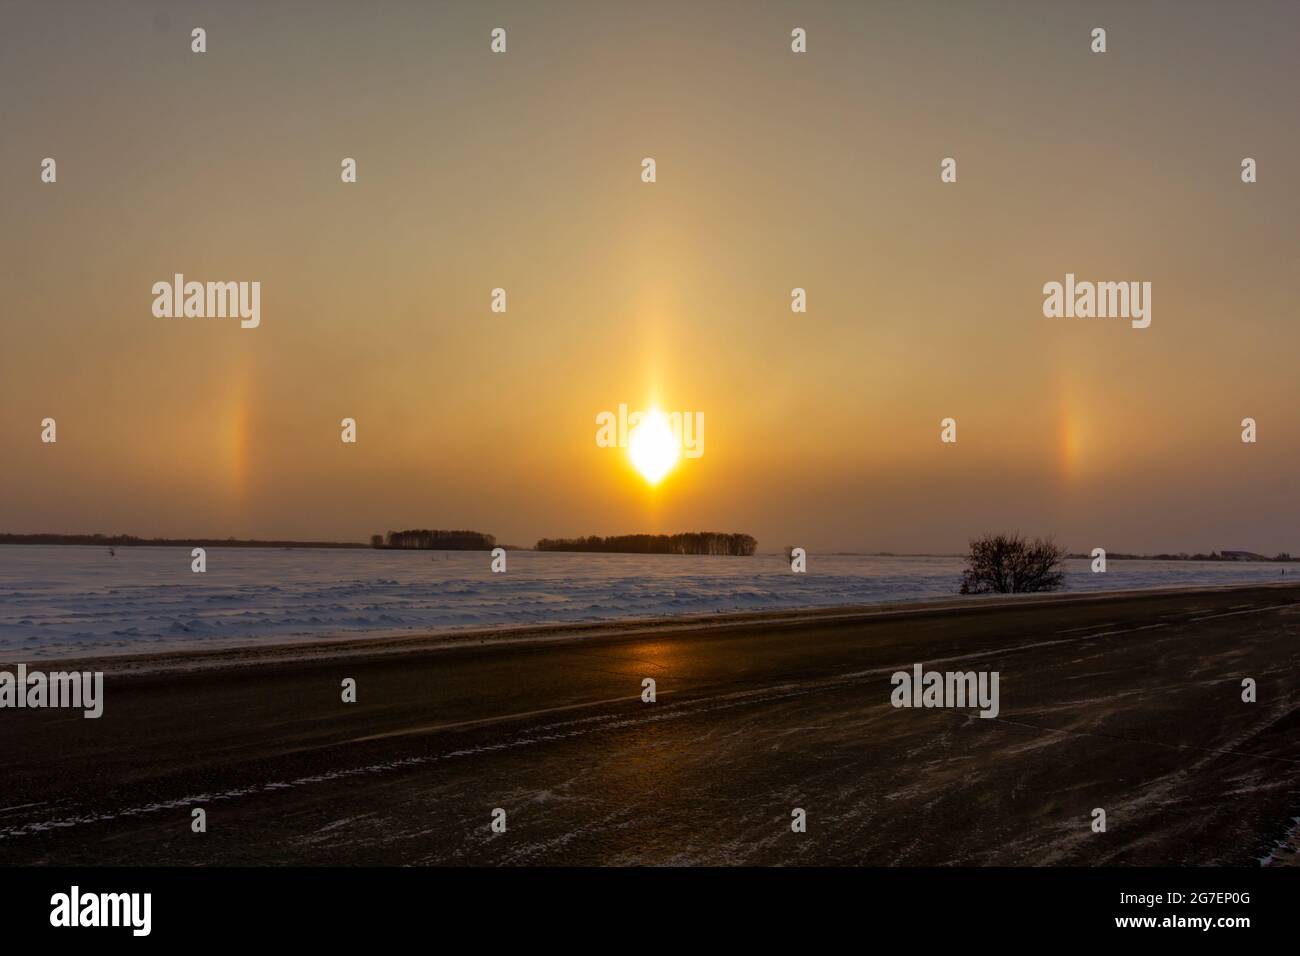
<point x="691" y="542"/>
<point x="1199" y="556"/>
<point x="128" y="540"/>
<point x="435" y="540"/>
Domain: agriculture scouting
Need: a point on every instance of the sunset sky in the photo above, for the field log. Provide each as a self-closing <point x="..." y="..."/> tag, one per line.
<point x="775" y="170"/>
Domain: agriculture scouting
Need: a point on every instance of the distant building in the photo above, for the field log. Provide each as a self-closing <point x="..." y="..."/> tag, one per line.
<point x="1242" y="556"/>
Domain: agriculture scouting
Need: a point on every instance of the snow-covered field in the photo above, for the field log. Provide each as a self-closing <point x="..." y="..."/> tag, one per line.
<point x="62" y="601"/>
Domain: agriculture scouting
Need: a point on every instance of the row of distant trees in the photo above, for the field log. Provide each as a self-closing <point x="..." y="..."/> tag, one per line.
<point x="427" y="539"/>
<point x="128" y="540"/>
<point x="1184" y="556"/>
<point x="691" y="542"/>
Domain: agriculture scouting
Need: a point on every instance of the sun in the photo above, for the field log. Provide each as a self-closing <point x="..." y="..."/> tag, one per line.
<point x="652" y="447"/>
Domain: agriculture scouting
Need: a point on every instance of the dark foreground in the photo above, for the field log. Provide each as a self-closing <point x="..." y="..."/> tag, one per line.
<point x="1130" y="703"/>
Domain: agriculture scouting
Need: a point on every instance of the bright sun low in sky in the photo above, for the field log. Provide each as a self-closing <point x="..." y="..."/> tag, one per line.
<point x="652" y="447"/>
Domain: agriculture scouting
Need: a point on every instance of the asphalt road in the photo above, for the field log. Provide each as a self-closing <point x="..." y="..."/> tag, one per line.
<point x="1128" y="703"/>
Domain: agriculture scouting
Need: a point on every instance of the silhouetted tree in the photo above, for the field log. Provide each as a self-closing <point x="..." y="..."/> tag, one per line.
<point x="1008" y="564"/>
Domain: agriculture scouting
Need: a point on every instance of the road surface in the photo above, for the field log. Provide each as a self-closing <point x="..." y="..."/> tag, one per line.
<point x="1129" y="703"/>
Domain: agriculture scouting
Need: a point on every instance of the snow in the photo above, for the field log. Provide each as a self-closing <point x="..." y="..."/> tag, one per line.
<point x="62" y="601"/>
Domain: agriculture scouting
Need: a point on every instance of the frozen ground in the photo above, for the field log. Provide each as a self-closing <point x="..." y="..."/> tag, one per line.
<point x="1131" y="703"/>
<point x="70" y="601"/>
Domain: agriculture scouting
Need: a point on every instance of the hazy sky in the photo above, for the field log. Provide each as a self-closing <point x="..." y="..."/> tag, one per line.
<point x="775" y="170"/>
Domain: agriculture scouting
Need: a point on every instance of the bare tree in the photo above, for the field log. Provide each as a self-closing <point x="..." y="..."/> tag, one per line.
<point x="1008" y="564"/>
